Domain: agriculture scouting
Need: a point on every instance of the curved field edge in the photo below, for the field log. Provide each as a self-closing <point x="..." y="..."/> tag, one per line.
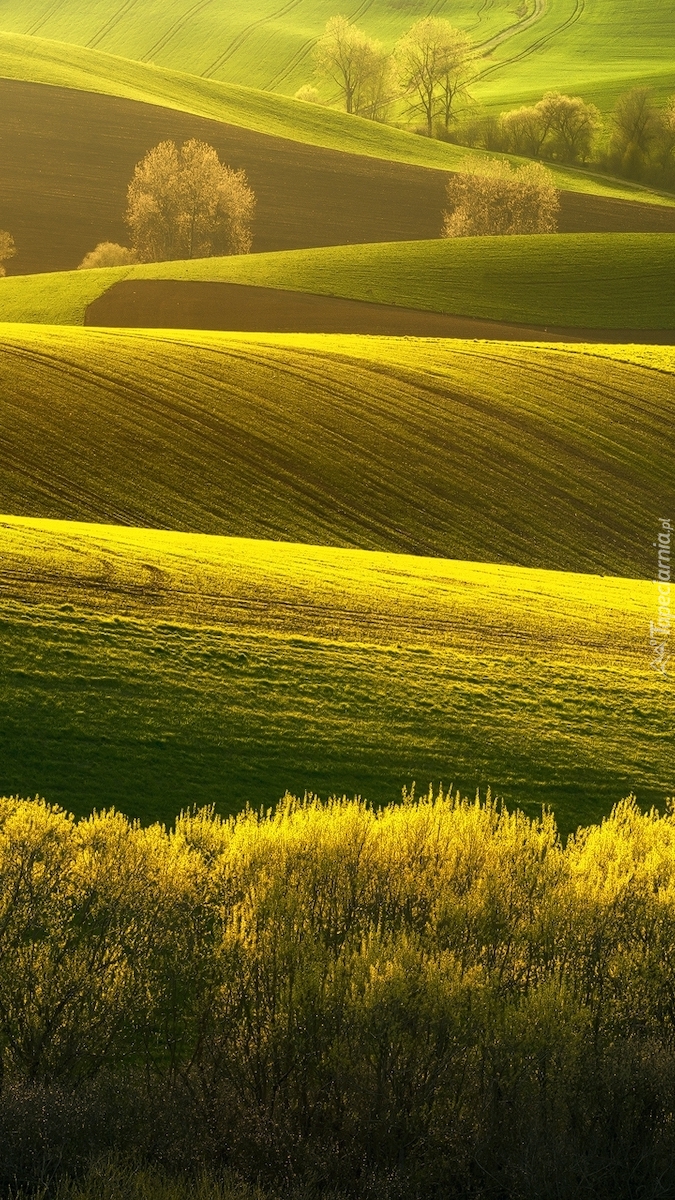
<point x="604" y="281"/>
<point x="56" y="63"/>
<point x="536" y="455"/>
<point x="152" y="671"/>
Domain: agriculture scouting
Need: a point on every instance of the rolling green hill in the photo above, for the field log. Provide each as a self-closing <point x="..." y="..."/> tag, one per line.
<point x="596" y="47"/>
<point x="553" y="457"/>
<point x="603" y="281"/>
<point x="90" y="70"/>
<point x="151" y="671"/>
<point x="593" y="48"/>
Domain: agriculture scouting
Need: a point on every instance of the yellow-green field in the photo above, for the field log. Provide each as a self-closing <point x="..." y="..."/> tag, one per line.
<point x="542" y="456"/>
<point x="591" y="280"/>
<point x="50" y="62"/>
<point x="595" y="48"/>
<point x="154" y="670"/>
<point x="602" y="281"/>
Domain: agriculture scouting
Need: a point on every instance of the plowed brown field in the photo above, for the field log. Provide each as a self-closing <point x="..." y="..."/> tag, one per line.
<point x="182" y="304"/>
<point x="66" y="158"/>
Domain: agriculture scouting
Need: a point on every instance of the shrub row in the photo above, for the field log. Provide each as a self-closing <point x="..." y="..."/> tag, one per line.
<point x="438" y="998"/>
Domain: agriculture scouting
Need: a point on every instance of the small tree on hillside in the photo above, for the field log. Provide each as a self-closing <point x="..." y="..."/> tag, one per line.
<point x="635" y="131"/>
<point x="352" y="61"/>
<point x="7" y="249"/>
<point x="667" y="142"/>
<point x="490" y="197"/>
<point x="431" y="63"/>
<point x="572" y="126"/>
<point x="187" y="204"/>
<point x="308" y="94"/>
<point x="524" y="130"/>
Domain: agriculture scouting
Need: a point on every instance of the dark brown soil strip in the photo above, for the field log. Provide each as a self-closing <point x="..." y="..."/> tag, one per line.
<point x="172" y="304"/>
<point x="66" y="158"/>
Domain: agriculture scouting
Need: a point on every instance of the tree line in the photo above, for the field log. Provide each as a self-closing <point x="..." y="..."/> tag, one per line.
<point x="429" y="73"/>
<point x="637" y="141"/>
<point x="435" y="999"/>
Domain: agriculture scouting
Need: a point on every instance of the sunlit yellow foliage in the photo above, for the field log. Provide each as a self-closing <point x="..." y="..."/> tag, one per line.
<point x="259" y="927"/>
<point x="422" y="979"/>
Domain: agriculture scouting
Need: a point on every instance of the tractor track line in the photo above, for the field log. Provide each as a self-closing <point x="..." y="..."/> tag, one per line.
<point x="175" y="28"/>
<point x="238" y="41"/>
<point x="42" y="21"/>
<point x="579" y="7"/>
<point x="110" y="24"/>
<point x="511" y="31"/>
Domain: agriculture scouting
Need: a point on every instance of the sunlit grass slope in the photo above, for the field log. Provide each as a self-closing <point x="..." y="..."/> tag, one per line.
<point x="597" y="48"/>
<point x="541" y="456"/>
<point x="263" y="43"/>
<point x="56" y="63"/>
<point x="602" y="280"/>
<point x="154" y="670"/>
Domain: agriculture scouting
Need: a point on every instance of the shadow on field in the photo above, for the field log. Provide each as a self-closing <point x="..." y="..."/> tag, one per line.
<point x="241" y="308"/>
<point x="67" y="158"/>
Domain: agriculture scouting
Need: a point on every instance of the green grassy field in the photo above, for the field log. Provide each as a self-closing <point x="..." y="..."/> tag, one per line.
<point x="556" y="457"/>
<point x="597" y="48"/>
<point x="55" y="63"/>
<point x="604" y="281"/>
<point x="593" y="48"/>
<point x="153" y="670"/>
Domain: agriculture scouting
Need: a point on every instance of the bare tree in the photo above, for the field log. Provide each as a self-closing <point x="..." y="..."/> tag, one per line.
<point x="667" y="147"/>
<point x="571" y="126"/>
<point x="635" y="123"/>
<point x="352" y="61"/>
<point x="490" y="197"/>
<point x="379" y="88"/>
<point x="526" y="130"/>
<point x="186" y="204"/>
<point x="7" y="249"/>
<point x="107" y="254"/>
<point x="431" y="60"/>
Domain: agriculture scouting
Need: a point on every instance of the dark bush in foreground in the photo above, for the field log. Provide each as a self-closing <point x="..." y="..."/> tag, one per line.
<point x="434" y="1000"/>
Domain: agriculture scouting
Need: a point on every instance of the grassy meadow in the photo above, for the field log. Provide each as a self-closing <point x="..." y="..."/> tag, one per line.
<point x="596" y="49"/>
<point x="55" y="63"/>
<point x="541" y="456"/>
<point x="604" y="281"/>
<point x="151" y="670"/>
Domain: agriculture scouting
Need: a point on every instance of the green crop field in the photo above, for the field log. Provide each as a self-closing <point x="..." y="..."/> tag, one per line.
<point x="154" y="670"/>
<point x="595" y="47"/>
<point x="603" y="281"/>
<point x="541" y="456"/>
<point x="58" y="64"/>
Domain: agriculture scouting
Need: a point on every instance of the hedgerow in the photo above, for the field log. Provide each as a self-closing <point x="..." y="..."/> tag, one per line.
<point x="436" y="998"/>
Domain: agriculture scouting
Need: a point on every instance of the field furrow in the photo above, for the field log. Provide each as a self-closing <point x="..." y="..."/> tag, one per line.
<point x="155" y="670"/>
<point x="555" y="457"/>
